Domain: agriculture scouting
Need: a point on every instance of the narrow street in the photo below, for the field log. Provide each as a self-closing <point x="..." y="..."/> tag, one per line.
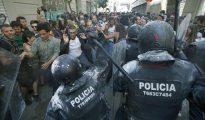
<point x="36" y="111"/>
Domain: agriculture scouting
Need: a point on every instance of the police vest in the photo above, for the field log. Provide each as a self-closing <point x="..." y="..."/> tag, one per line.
<point x="157" y="92"/>
<point x="83" y="101"/>
<point x="87" y="103"/>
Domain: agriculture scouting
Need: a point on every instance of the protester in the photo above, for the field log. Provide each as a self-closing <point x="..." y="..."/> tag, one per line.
<point x="47" y="48"/>
<point x="7" y="42"/>
<point x="17" y="33"/>
<point x="34" y="24"/>
<point x="22" y="20"/>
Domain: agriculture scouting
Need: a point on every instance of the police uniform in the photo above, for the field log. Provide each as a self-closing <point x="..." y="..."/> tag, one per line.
<point x="161" y="82"/>
<point x="127" y="49"/>
<point x="82" y="99"/>
<point x="159" y="87"/>
<point x="123" y="52"/>
<point x="195" y="54"/>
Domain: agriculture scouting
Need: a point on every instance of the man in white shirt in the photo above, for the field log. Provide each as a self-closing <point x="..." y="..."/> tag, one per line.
<point x="72" y="46"/>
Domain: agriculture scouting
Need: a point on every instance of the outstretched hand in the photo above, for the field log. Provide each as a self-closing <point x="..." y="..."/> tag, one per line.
<point x="82" y="35"/>
<point x="22" y="55"/>
<point x="65" y="38"/>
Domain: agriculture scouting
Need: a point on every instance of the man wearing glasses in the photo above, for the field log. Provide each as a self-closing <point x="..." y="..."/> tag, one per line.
<point x="34" y="24"/>
<point x="46" y="48"/>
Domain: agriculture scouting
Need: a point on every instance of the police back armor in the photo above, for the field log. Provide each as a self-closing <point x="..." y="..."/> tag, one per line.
<point x="161" y="83"/>
<point x="80" y="101"/>
<point x="84" y="98"/>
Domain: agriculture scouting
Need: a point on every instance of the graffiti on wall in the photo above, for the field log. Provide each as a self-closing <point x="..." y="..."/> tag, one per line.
<point x="54" y="5"/>
<point x="54" y="8"/>
<point x="2" y="18"/>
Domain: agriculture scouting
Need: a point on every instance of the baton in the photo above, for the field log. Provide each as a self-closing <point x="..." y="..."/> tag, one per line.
<point x="119" y="67"/>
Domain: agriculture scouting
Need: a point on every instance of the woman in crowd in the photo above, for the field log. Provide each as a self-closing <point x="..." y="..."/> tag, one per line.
<point x="29" y="70"/>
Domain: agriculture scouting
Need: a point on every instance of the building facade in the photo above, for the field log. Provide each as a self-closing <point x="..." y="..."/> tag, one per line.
<point x="139" y="6"/>
<point x="26" y="8"/>
<point x="195" y="7"/>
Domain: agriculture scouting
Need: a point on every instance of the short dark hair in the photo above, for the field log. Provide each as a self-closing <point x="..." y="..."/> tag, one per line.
<point x="44" y="26"/>
<point x="27" y="34"/>
<point x="200" y="18"/>
<point x="15" y="24"/>
<point x="136" y="17"/>
<point x="33" y="21"/>
<point x="20" y="18"/>
<point x="4" y="25"/>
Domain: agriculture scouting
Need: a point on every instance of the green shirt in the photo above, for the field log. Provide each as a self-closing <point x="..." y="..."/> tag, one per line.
<point x="45" y="50"/>
<point x="19" y="41"/>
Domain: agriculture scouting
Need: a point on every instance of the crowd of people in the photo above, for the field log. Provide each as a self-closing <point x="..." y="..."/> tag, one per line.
<point x="41" y="42"/>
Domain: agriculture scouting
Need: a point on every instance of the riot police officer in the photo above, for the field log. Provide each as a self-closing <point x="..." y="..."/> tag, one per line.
<point x="80" y="95"/>
<point x="132" y="43"/>
<point x="161" y="82"/>
<point x="195" y="53"/>
<point x="124" y="51"/>
<point x="127" y="49"/>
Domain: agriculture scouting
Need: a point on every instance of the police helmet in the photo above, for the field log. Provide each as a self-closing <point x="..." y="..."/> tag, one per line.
<point x="134" y="31"/>
<point x="66" y="68"/>
<point x="156" y="35"/>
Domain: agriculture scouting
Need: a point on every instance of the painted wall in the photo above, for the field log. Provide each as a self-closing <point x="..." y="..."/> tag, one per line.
<point x="26" y="8"/>
<point x="73" y="5"/>
<point x="3" y="11"/>
<point x="79" y="5"/>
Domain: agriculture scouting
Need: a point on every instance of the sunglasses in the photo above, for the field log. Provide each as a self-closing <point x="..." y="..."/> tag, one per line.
<point x="33" y="26"/>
